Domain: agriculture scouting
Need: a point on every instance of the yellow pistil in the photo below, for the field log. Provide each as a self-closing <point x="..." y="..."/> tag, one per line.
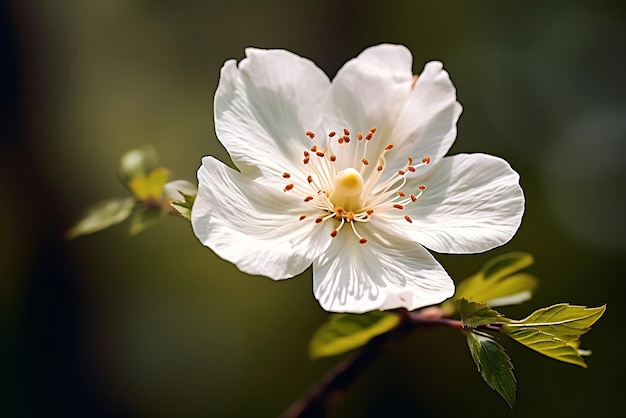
<point x="347" y="191"/>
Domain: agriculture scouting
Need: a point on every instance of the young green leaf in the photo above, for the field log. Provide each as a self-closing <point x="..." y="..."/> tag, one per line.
<point x="493" y="364"/>
<point x="345" y="332"/>
<point x="547" y="344"/>
<point x="183" y="207"/>
<point x="564" y="321"/>
<point x="101" y="216"/>
<point x="554" y="331"/>
<point x="476" y="314"/>
<point x="180" y="194"/>
<point x="496" y="284"/>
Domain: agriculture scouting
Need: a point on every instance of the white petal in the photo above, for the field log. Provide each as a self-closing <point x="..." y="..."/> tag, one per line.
<point x="264" y="108"/>
<point x="473" y="203"/>
<point x="370" y="90"/>
<point x="174" y="190"/>
<point x="254" y="226"/>
<point x="389" y="271"/>
<point x="427" y="125"/>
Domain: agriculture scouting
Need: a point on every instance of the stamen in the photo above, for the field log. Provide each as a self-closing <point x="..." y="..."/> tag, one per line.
<point x="286" y="175"/>
<point x="343" y="187"/>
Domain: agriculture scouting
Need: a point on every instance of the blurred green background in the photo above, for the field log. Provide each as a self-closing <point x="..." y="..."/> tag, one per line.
<point x="158" y="326"/>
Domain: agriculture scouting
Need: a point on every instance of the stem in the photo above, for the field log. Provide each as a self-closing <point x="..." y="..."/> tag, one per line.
<point x="331" y="388"/>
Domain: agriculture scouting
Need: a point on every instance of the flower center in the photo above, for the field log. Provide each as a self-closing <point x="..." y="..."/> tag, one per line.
<point x="347" y="190"/>
<point x="342" y="187"/>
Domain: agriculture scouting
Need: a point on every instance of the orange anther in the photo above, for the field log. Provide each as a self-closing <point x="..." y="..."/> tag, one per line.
<point x="408" y="219"/>
<point x="288" y="187"/>
<point x="362" y="240"/>
<point x="398" y="206"/>
<point x="286" y="175"/>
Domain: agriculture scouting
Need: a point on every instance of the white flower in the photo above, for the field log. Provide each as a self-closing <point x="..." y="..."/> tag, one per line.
<point x="349" y="176"/>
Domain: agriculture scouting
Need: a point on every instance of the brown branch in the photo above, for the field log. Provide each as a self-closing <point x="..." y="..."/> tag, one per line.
<point x="332" y="387"/>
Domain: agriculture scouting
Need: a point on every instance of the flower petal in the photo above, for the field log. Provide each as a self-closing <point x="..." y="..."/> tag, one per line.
<point x="264" y="107"/>
<point x="389" y="271"/>
<point x="427" y="125"/>
<point x="370" y="90"/>
<point x="252" y="225"/>
<point x="473" y="203"/>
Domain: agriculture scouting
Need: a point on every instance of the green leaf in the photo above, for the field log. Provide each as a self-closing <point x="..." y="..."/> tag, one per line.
<point x="548" y="345"/>
<point x="476" y="314"/>
<point x="345" y="332"/>
<point x="554" y="331"/>
<point x="101" y="216"/>
<point x="145" y="218"/>
<point x="567" y="322"/>
<point x="150" y="186"/>
<point x="137" y="162"/>
<point x="496" y="284"/>
<point x="183" y="207"/>
<point x="493" y="364"/>
<point x="180" y="194"/>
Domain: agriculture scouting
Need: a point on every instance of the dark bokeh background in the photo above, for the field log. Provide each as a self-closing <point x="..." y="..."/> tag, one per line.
<point x="158" y="326"/>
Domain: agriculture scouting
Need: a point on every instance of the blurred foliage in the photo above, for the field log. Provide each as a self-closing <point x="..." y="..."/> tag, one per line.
<point x="153" y="199"/>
